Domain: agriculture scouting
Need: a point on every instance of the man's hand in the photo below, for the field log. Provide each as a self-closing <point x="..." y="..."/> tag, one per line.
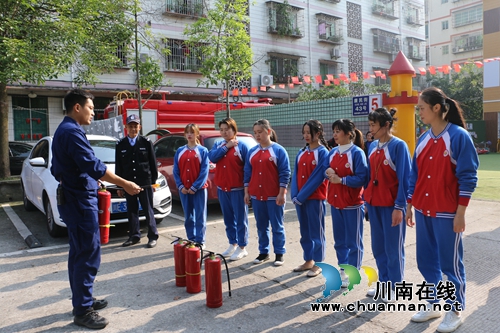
<point x="132" y="188"/>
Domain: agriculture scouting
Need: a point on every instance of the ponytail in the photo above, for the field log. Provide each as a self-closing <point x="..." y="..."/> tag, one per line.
<point x="358" y="139"/>
<point x="450" y="109"/>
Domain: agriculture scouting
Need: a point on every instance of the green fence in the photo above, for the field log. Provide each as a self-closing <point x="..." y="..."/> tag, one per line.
<point x="287" y="120"/>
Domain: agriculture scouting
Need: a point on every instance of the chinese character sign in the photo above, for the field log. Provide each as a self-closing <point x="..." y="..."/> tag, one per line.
<point x="362" y="105"/>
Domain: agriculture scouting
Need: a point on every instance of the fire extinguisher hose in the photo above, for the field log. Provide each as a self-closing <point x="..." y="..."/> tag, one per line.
<point x="227" y="269"/>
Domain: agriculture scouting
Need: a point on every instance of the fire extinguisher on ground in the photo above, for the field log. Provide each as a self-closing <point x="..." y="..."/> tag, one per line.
<point x="179" y="262"/>
<point x="193" y="267"/>
<point x="213" y="279"/>
<point x="104" y="205"/>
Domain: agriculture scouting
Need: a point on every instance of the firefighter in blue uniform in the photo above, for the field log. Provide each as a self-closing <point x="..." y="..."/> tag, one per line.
<point x="77" y="170"/>
<point x="135" y="160"/>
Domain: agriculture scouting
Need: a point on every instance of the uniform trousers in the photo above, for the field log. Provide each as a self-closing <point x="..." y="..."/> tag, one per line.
<point x="195" y="215"/>
<point x="440" y="251"/>
<point x="387" y="244"/>
<point x="267" y="212"/>
<point x="348" y="235"/>
<point x="311" y="216"/>
<point x="145" y="197"/>
<point x="84" y="248"/>
<point x="235" y="213"/>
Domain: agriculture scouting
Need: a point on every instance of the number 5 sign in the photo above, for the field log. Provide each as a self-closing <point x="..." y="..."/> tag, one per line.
<point x="362" y="105"/>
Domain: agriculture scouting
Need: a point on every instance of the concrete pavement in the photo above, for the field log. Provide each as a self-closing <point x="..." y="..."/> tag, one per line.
<point x="139" y="284"/>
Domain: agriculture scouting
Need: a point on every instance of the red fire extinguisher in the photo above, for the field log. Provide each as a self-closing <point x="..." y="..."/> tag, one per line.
<point x="179" y="262"/>
<point x="213" y="279"/>
<point x="193" y="268"/>
<point x="104" y="204"/>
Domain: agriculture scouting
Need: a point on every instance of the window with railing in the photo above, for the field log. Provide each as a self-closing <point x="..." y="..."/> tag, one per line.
<point x="381" y="76"/>
<point x="330" y="28"/>
<point x="182" y="57"/>
<point x="185" y="7"/>
<point x="329" y="67"/>
<point x="385" y="8"/>
<point x="467" y="16"/>
<point x="285" y="19"/>
<point x="467" y="43"/>
<point x="121" y="54"/>
<point x="416" y="48"/>
<point x="385" y="41"/>
<point x="414" y="15"/>
<point x="282" y="68"/>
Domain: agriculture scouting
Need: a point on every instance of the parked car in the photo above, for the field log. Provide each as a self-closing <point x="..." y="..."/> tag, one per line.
<point x="18" y="151"/>
<point x="166" y="147"/>
<point x="39" y="186"/>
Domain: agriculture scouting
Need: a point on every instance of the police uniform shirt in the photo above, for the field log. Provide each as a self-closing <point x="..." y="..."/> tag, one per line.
<point x="136" y="163"/>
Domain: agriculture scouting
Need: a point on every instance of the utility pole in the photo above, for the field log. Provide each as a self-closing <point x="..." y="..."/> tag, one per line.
<point x="138" y="75"/>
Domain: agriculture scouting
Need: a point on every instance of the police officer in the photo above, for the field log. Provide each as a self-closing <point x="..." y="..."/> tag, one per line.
<point x="136" y="161"/>
<point x="77" y="170"/>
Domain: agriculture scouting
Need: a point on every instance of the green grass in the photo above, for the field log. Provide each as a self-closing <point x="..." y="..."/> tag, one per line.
<point x="488" y="186"/>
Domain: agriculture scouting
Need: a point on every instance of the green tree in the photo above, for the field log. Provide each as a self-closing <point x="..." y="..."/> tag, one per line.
<point x="465" y="87"/>
<point x="224" y="42"/>
<point x="40" y="40"/>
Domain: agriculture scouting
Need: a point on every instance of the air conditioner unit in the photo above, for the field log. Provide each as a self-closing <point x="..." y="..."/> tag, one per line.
<point x="266" y="80"/>
<point x="335" y="53"/>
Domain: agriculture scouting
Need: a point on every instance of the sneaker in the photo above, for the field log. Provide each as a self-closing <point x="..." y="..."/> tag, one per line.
<point x="450" y="322"/>
<point x="229" y="252"/>
<point x="344" y="278"/>
<point x="279" y="261"/>
<point x="425" y="315"/>
<point x="239" y="253"/>
<point x="261" y="258"/>
<point x="371" y="292"/>
<point x="91" y="319"/>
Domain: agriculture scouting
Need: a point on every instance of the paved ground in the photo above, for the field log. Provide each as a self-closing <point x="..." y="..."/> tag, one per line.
<point x="140" y="286"/>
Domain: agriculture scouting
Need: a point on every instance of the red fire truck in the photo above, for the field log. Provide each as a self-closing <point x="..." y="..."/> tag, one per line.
<point x="174" y="115"/>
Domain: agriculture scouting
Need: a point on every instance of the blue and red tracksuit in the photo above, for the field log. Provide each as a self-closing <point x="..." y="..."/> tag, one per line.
<point x="346" y="201"/>
<point x="389" y="168"/>
<point x="191" y="172"/>
<point x="443" y="176"/>
<point x="266" y="171"/>
<point x="308" y="193"/>
<point x="229" y="180"/>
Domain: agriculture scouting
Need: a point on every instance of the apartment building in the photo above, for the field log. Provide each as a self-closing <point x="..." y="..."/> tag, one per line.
<point x="289" y="39"/>
<point x="491" y="93"/>
<point x="454" y="31"/>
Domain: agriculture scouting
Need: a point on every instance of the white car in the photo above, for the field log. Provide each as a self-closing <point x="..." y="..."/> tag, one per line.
<point x="39" y="186"/>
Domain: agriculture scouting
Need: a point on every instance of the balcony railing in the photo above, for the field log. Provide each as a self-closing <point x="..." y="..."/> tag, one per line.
<point x="193" y="8"/>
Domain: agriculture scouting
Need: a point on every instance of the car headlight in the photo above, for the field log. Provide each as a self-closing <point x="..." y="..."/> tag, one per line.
<point x="161" y="181"/>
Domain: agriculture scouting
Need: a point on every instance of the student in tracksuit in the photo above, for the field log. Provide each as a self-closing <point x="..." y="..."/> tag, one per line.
<point x="266" y="177"/>
<point x="347" y="172"/>
<point x="385" y="197"/>
<point x="229" y="155"/>
<point x="309" y="188"/>
<point x="191" y="174"/>
<point x="443" y="177"/>
<point x="77" y="169"/>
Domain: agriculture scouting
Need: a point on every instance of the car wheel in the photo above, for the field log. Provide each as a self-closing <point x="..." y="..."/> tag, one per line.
<point x="158" y="221"/>
<point x="26" y="203"/>
<point x="53" y="229"/>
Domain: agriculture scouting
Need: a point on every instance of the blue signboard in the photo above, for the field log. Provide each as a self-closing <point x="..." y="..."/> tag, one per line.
<point x="362" y="105"/>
